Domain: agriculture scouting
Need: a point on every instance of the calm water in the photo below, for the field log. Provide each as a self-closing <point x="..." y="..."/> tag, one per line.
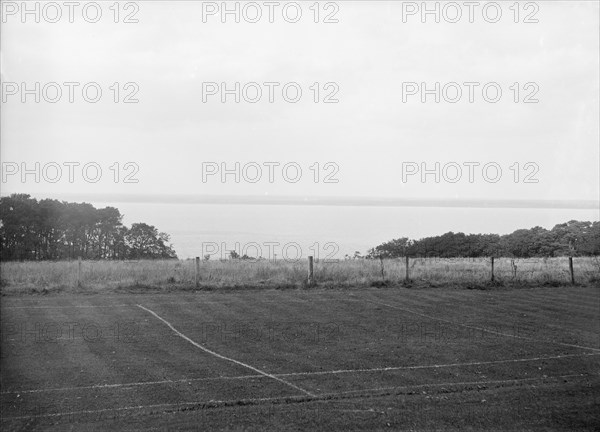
<point x="261" y="230"/>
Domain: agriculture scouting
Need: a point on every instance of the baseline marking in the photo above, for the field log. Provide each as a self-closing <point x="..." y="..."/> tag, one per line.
<point x="381" y="391"/>
<point x="438" y="366"/>
<point x="197" y="345"/>
<point x="340" y="371"/>
<point x="449" y="384"/>
<point x="123" y="305"/>
<point x="481" y="328"/>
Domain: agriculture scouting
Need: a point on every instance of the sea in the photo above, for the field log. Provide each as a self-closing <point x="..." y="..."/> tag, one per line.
<point x="294" y="232"/>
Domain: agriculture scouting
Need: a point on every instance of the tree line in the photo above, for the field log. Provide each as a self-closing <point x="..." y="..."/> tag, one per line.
<point x="573" y="238"/>
<point x="57" y="230"/>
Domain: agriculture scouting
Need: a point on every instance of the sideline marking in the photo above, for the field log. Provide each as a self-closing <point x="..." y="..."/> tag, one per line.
<point x="439" y="366"/>
<point x="481" y="328"/>
<point x="67" y="307"/>
<point x="197" y="345"/>
<point x="132" y="304"/>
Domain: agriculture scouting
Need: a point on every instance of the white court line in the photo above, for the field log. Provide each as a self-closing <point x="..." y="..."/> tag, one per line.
<point x="197" y="345"/>
<point x="48" y="341"/>
<point x="504" y="302"/>
<point x="139" y="407"/>
<point x="100" y="306"/>
<point x="333" y="372"/>
<point x="481" y="328"/>
<point x="130" y="305"/>
<point x="449" y="384"/>
<point x="326" y="396"/>
<point x="438" y="366"/>
<point x="96" y="306"/>
<point x="67" y="307"/>
<point x="133" y="384"/>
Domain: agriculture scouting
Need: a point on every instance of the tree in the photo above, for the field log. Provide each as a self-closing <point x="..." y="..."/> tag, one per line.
<point x="51" y="229"/>
<point x="144" y="241"/>
<point x="571" y="238"/>
<point x="20" y="233"/>
<point x="577" y="238"/>
<point x="108" y="225"/>
<point x="392" y="249"/>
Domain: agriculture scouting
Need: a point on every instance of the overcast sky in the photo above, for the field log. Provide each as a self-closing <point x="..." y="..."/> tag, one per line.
<point x="369" y="53"/>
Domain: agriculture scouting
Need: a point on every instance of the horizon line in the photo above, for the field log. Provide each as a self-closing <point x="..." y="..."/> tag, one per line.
<point x="326" y="201"/>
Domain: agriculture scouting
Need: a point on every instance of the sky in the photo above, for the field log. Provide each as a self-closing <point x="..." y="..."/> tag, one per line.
<point x="368" y="144"/>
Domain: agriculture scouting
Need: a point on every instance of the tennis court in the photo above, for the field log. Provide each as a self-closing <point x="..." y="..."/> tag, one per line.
<point x="322" y="359"/>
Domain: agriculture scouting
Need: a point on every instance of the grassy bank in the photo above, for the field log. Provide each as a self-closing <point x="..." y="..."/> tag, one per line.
<point x="173" y="274"/>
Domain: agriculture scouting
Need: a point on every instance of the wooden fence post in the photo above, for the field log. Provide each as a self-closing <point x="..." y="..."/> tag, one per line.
<point x="492" y="269"/>
<point x="311" y="279"/>
<point x="382" y="269"/>
<point x="197" y="272"/>
<point x="571" y="270"/>
<point x="407" y="278"/>
<point x="79" y="271"/>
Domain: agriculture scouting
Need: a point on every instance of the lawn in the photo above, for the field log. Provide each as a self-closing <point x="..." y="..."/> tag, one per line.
<point x="319" y="359"/>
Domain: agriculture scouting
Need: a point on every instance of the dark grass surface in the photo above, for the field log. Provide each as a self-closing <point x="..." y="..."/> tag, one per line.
<point x="100" y="362"/>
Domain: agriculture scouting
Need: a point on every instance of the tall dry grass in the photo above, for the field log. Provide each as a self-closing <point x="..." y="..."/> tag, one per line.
<point x="173" y="274"/>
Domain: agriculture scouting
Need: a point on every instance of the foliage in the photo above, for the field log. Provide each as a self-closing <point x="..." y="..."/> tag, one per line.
<point x="55" y="230"/>
<point x="573" y="238"/>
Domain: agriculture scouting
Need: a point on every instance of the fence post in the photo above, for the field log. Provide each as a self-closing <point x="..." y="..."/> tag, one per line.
<point x="407" y="278"/>
<point x="78" y="271"/>
<point x="382" y="269"/>
<point x="197" y="272"/>
<point x="311" y="279"/>
<point x="492" y="269"/>
<point x="571" y="270"/>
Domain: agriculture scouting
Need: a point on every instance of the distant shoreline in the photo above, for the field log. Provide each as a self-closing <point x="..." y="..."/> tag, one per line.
<point x="328" y="201"/>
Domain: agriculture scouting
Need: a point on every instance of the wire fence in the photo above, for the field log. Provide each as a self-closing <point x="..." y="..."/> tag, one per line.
<point x="301" y="273"/>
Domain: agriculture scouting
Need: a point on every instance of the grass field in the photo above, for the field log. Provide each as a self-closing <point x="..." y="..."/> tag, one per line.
<point x="172" y="275"/>
<point x="335" y="359"/>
